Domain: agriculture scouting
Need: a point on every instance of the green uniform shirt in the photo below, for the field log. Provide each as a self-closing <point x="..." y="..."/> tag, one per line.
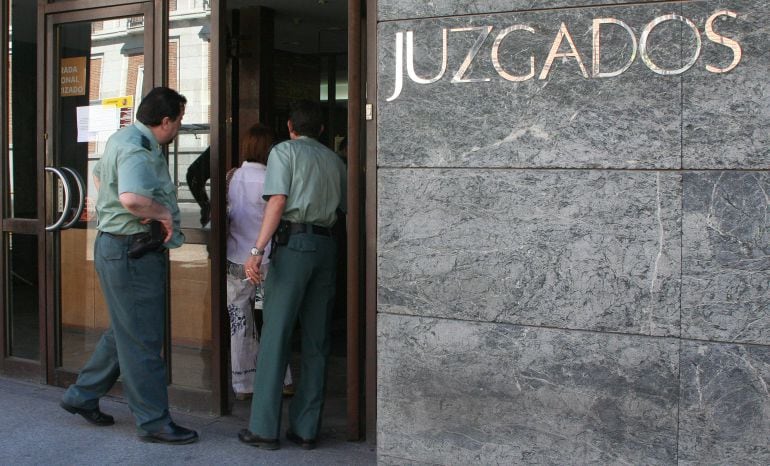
<point x="313" y="179"/>
<point x="133" y="163"/>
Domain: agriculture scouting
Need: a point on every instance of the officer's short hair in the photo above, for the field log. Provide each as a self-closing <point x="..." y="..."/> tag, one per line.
<point x="159" y="103"/>
<point x="306" y="118"/>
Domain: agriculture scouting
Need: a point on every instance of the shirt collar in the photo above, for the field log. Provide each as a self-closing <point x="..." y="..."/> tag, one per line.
<point x="148" y="134"/>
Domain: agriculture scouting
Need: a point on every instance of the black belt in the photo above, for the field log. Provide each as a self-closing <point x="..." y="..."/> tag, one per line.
<point x="118" y="236"/>
<point x="295" y="228"/>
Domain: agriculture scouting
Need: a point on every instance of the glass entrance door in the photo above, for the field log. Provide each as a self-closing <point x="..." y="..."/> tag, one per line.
<point x="99" y="64"/>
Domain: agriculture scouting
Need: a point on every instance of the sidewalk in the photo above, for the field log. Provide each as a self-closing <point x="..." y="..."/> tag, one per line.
<point x="34" y="430"/>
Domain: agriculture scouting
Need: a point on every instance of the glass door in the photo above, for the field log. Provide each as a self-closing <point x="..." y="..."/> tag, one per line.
<point x="98" y="65"/>
<point x="20" y="331"/>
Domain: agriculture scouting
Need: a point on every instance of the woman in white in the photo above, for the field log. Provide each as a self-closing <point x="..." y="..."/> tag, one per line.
<point x="245" y="209"/>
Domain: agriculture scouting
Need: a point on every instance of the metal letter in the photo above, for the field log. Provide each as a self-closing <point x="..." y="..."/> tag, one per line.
<point x="399" y="67"/>
<point x="496" y="55"/>
<point x="410" y="60"/>
<point x="598" y="52"/>
<point x="563" y="32"/>
<point x="459" y="76"/>
<point x="646" y="34"/>
<point x="722" y="40"/>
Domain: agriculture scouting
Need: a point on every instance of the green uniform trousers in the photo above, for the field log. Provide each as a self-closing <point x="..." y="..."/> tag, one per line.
<point x="300" y="285"/>
<point x="135" y="291"/>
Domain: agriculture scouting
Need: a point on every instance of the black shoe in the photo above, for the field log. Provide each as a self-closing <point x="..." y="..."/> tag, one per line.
<point x="171" y="434"/>
<point x="94" y="416"/>
<point x="304" y="443"/>
<point x="247" y="437"/>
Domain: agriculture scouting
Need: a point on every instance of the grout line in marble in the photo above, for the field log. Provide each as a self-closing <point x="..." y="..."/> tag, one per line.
<point x="588" y="169"/>
<point x="603" y="332"/>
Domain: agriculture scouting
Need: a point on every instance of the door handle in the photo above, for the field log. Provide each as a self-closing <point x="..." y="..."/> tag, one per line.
<point x="82" y="200"/>
<point x="67" y="199"/>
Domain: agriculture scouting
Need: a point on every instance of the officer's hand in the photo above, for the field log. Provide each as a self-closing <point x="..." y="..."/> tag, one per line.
<point x="168" y="228"/>
<point x="166" y="224"/>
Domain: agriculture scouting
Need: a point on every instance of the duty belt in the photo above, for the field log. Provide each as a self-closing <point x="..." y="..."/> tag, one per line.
<point x="295" y="228"/>
<point x="118" y="236"/>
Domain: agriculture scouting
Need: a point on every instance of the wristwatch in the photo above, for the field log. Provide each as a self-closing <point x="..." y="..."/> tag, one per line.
<point x="255" y="251"/>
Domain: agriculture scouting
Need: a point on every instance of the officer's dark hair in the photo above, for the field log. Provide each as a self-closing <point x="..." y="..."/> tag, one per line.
<point x="159" y="103"/>
<point x="306" y="118"/>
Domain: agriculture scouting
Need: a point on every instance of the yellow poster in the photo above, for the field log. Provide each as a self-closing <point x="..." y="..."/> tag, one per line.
<point x="73" y="76"/>
<point x="125" y="106"/>
<point x="126" y="101"/>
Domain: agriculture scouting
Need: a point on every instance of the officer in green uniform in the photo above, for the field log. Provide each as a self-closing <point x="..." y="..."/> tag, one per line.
<point x="305" y="184"/>
<point x="134" y="189"/>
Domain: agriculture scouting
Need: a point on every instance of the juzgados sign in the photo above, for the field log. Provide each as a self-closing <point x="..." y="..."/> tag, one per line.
<point x="638" y="47"/>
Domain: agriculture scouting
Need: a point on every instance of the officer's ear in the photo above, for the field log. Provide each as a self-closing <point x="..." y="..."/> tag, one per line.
<point x="290" y="125"/>
<point x="321" y="131"/>
<point x="165" y="122"/>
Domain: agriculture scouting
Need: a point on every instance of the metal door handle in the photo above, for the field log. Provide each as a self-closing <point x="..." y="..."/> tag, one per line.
<point x="67" y="198"/>
<point x="81" y="201"/>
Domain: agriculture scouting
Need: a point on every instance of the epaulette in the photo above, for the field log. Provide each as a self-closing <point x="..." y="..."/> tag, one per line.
<point x="146" y="143"/>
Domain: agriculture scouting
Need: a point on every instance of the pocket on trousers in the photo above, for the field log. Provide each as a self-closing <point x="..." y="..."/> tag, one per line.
<point x="111" y="249"/>
<point x="301" y="243"/>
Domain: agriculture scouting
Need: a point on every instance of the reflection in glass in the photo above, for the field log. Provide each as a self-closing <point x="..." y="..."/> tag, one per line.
<point x="112" y="53"/>
<point x="83" y="310"/>
<point x="23" y="316"/>
<point x="189" y="49"/>
<point x="22" y="118"/>
<point x="189" y="72"/>
<point x="191" y="355"/>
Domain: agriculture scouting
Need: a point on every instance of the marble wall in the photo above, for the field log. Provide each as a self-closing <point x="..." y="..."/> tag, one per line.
<point x="573" y="268"/>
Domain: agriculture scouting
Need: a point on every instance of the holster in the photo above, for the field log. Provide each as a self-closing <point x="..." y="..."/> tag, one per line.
<point x="282" y="233"/>
<point x="147" y="242"/>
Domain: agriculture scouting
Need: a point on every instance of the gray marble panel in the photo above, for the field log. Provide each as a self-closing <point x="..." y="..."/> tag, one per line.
<point x="726" y="116"/>
<point x="724" y="414"/>
<point x="568" y="249"/>
<point x="564" y="121"/>
<point x="408" y="9"/>
<point x="726" y="257"/>
<point x="454" y="392"/>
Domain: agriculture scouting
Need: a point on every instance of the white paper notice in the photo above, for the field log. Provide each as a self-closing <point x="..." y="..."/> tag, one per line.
<point x="95" y="120"/>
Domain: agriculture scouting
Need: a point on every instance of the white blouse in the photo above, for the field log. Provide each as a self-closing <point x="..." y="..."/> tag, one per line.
<point x="245" y="210"/>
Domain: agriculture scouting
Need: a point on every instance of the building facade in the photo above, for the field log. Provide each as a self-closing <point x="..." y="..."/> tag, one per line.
<point x="557" y="237"/>
<point x="573" y="232"/>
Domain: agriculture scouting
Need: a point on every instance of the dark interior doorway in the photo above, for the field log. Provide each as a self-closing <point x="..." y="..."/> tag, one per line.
<point x="280" y="51"/>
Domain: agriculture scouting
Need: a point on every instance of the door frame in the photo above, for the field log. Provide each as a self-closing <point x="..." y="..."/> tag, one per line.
<point x="362" y="220"/>
<point x="370" y="220"/>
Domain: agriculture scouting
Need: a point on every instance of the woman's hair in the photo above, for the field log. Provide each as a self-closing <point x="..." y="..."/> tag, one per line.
<point x="256" y="143"/>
